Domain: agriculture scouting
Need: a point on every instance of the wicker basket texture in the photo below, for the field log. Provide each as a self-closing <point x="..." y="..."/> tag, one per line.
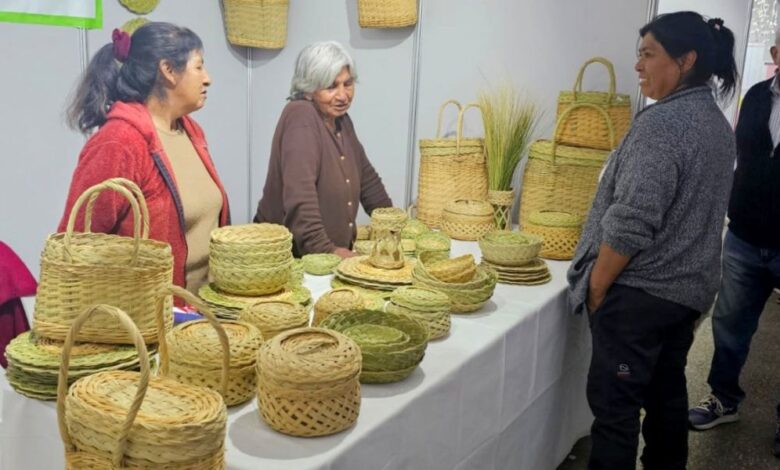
<point x="320" y="264"/>
<point x="387" y="218"/>
<point x="460" y="269"/>
<point x="465" y="297"/>
<point x="427" y="305"/>
<point x="337" y="300"/>
<point x="387" y="13"/>
<point x="510" y="248"/>
<point x="256" y="23"/>
<point x="560" y="231"/>
<point x="464" y="219"/>
<point x="272" y="317"/>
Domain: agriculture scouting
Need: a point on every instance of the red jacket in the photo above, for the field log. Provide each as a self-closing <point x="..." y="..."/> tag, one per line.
<point x="127" y="146"/>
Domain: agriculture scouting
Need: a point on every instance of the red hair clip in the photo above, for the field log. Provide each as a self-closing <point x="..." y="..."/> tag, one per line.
<point x="121" y="42"/>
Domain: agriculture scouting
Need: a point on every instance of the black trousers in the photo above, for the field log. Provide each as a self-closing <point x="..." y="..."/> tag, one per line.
<point x="640" y="347"/>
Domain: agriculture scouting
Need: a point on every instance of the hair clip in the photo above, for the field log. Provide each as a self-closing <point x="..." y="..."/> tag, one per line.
<point x="121" y="42"/>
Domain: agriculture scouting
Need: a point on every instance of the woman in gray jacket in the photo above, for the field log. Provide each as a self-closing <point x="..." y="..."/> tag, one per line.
<point x="648" y="262"/>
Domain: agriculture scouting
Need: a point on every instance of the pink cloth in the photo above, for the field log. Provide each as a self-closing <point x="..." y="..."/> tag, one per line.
<point x="15" y="281"/>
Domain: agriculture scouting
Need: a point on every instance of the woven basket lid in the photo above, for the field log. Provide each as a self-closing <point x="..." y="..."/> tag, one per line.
<point x="555" y="219"/>
<point x="252" y="234"/>
<point x="340" y="299"/>
<point x="272" y="316"/>
<point x="473" y="207"/>
<point x="196" y="343"/>
<point x="420" y="298"/>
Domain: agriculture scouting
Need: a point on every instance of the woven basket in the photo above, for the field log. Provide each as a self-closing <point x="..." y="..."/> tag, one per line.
<point x="272" y="317"/>
<point x="363" y="232"/>
<point x="450" y="168"/>
<point x="502" y="207"/>
<point x="387" y="218"/>
<point x="586" y="127"/>
<point x="460" y="269"/>
<point x="510" y="248"/>
<point x="413" y="228"/>
<point x="116" y="420"/>
<point x="296" y="273"/>
<point x="337" y="300"/>
<point x="79" y="270"/>
<point x="391" y="345"/>
<point x="308" y="382"/>
<point x="464" y="219"/>
<point x="560" y="177"/>
<point x="256" y="23"/>
<point x="387" y="13"/>
<point x="320" y="264"/>
<point x="430" y="306"/>
<point x="466" y="297"/>
<point x="432" y="246"/>
<point x="560" y="231"/>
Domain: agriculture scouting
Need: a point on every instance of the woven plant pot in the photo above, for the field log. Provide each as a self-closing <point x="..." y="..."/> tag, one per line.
<point x="391" y="345"/>
<point x="427" y="305"/>
<point x="337" y="300"/>
<point x="560" y="231"/>
<point x="272" y="317"/>
<point x="308" y="382"/>
<point x="387" y="13"/>
<point x="79" y="270"/>
<point x="460" y="269"/>
<point x="320" y="264"/>
<point x="256" y="23"/>
<point x="464" y="219"/>
<point x="510" y="248"/>
<point x="387" y="218"/>
<point x="502" y="208"/>
<point x="116" y="420"/>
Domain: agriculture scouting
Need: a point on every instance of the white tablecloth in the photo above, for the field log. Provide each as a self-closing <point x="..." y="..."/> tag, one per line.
<point x="505" y="390"/>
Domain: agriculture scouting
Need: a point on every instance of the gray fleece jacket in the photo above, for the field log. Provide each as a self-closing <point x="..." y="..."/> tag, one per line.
<point x="662" y="201"/>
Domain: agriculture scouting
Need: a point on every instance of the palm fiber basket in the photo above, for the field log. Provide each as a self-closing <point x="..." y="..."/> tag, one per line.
<point x="459" y="269"/>
<point x="392" y="345"/>
<point x="432" y="246"/>
<point x="560" y="231"/>
<point x="308" y="382"/>
<point x="464" y="219"/>
<point x="387" y="218"/>
<point x="510" y="248"/>
<point x="466" y="297"/>
<point x="429" y="306"/>
<point x="272" y="317"/>
<point x="256" y="23"/>
<point x="587" y="128"/>
<point x="337" y="300"/>
<point x="387" y="13"/>
<point x="320" y="264"/>
<point x="79" y="270"/>
<point x="450" y="168"/>
<point x="118" y="419"/>
<point x="560" y="177"/>
<point x="196" y="353"/>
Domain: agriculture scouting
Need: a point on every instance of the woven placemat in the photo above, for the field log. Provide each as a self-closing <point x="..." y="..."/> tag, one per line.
<point x="358" y="267"/>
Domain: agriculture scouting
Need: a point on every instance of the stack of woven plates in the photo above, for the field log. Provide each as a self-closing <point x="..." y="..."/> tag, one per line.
<point x="533" y="273"/>
<point x="358" y="271"/>
<point x="514" y="257"/>
<point x="429" y="306"/>
<point x="373" y="295"/>
<point x="468" y="296"/>
<point x="228" y="306"/>
<point x="34" y="363"/>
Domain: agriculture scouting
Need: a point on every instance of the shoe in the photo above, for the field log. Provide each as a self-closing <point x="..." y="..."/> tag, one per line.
<point x="710" y="413"/>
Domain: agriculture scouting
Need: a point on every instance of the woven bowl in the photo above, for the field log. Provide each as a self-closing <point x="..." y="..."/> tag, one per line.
<point x="510" y="248"/>
<point x="320" y="264"/>
<point x="272" y="317"/>
<point x="465" y="297"/>
<point x="432" y="246"/>
<point x="454" y="270"/>
<point x="467" y="219"/>
<point x="337" y="300"/>
<point x="413" y="229"/>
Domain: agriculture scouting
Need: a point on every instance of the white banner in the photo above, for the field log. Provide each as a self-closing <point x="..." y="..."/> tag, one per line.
<point x="77" y="8"/>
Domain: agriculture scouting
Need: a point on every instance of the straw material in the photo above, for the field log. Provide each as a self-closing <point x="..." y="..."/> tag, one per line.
<point x="387" y="218"/>
<point x="308" y="382"/>
<point x="228" y="306"/>
<point x="387" y="13"/>
<point x="272" y="317"/>
<point x="391" y="344"/>
<point x="430" y="306"/>
<point x="533" y="273"/>
<point x="413" y="228"/>
<point x="560" y="231"/>
<point x="370" y="294"/>
<point x="363" y="232"/>
<point x="560" y="177"/>
<point x="359" y="268"/>
<point x="320" y="264"/>
<point x="131" y="25"/>
<point x="464" y="219"/>
<point x="450" y="168"/>
<point x="256" y="23"/>
<point x="387" y="252"/>
<point x="79" y="270"/>
<point x="466" y="297"/>
<point x="140" y="7"/>
<point x="337" y="300"/>
<point x="460" y="269"/>
<point x="296" y="273"/>
<point x="432" y="246"/>
<point x="119" y="419"/>
<point x="510" y="248"/>
<point x="586" y="127"/>
<point x="502" y="205"/>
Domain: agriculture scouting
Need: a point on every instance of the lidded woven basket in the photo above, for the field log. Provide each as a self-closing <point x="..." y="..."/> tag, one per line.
<point x="560" y="231"/>
<point x="337" y="300"/>
<point x="510" y="248"/>
<point x="272" y="317"/>
<point x="467" y="219"/>
<point x="119" y="419"/>
<point x="308" y="382"/>
<point x="430" y="306"/>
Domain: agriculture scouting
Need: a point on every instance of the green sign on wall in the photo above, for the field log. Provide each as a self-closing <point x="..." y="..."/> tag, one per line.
<point x="74" y="13"/>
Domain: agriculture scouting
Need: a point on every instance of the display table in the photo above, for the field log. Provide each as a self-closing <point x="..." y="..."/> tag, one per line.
<point x="505" y="390"/>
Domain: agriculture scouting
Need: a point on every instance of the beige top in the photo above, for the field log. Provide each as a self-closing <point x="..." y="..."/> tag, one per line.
<point x="200" y="199"/>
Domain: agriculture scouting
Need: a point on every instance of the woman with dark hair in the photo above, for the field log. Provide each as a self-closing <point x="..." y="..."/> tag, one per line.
<point x="139" y="91"/>
<point x="648" y="262"/>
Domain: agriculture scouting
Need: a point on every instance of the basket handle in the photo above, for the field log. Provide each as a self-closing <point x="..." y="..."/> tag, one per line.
<point x="143" y="381"/>
<point x="459" y="134"/>
<point x="441" y="113"/>
<point x="139" y="196"/>
<point x="193" y="300"/>
<point x="610" y="70"/>
<point x="565" y="115"/>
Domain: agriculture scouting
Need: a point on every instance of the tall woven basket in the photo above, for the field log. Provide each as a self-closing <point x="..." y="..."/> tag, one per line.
<point x="450" y="168"/>
<point x="118" y="419"/>
<point x="387" y="13"/>
<point x="561" y="177"/>
<point x="587" y="128"/>
<point x="256" y="23"/>
<point x="79" y="270"/>
<point x="560" y="232"/>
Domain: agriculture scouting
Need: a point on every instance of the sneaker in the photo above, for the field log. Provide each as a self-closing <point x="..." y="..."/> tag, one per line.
<point x="710" y="413"/>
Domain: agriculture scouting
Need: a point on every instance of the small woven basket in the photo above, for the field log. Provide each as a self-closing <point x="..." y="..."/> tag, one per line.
<point x="427" y="305"/>
<point x="337" y="300"/>
<point x="560" y="231"/>
<point x="256" y="23"/>
<point x="502" y="206"/>
<point x="510" y="248"/>
<point x="432" y="246"/>
<point x="387" y="13"/>
<point x="296" y="273"/>
<point x="464" y="219"/>
<point x="118" y="419"/>
<point x="272" y="317"/>
<point x="308" y="382"/>
<point x="387" y="218"/>
<point x="460" y="269"/>
<point x="466" y="297"/>
<point x="320" y="264"/>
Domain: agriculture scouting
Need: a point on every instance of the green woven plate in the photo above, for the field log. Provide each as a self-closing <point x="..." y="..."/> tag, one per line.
<point x="366" y="292"/>
<point x="413" y="228"/>
<point x="320" y="264"/>
<point x="131" y="25"/>
<point x="213" y="295"/>
<point x="420" y="299"/>
<point x="27" y="350"/>
<point x="141" y="7"/>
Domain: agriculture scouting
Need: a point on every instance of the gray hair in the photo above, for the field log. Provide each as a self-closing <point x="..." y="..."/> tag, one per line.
<point x="318" y="65"/>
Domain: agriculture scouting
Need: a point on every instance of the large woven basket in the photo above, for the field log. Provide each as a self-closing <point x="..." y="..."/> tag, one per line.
<point x="272" y="317"/>
<point x="586" y="127"/>
<point x="450" y="168"/>
<point x="117" y="420"/>
<point x="560" y="231"/>
<point x="308" y="382"/>
<point x="560" y="177"/>
<point x="197" y="353"/>
<point x="509" y="248"/>
<point x="79" y="270"/>
<point x="337" y="300"/>
<point x="387" y="13"/>
<point x="464" y="219"/>
<point x="256" y="23"/>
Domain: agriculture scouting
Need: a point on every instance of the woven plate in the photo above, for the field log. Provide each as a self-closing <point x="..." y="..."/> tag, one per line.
<point x="420" y="299"/>
<point x="368" y="293"/>
<point x="358" y="267"/>
<point x="534" y="266"/>
<point x="43" y="353"/>
<point x="320" y="264"/>
<point x="213" y="295"/>
<point x="141" y="7"/>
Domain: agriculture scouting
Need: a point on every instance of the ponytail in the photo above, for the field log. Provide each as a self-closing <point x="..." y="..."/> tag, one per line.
<point x="724" y="65"/>
<point x="95" y="93"/>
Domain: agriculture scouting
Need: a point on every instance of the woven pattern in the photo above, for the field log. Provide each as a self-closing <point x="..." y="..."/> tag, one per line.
<point x="560" y="231"/>
<point x="272" y="317"/>
<point x="140" y="7"/>
<point x="229" y="307"/>
<point x="320" y="264"/>
<point x="533" y="273"/>
<point x="586" y="127"/>
<point x="450" y="168"/>
<point x="510" y="248"/>
<point x="560" y="177"/>
<point x="432" y="246"/>
<point x="466" y="297"/>
<point x="122" y="419"/>
<point x="79" y="270"/>
<point x="256" y="23"/>
<point x="387" y="218"/>
<point x="429" y="306"/>
<point x="465" y="219"/>
<point x="363" y="232"/>
<point x="337" y="300"/>
<point x="387" y="13"/>
<point x="296" y="273"/>
<point x="308" y="382"/>
<point x="502" y="205"/>
<point x="131" y="25"/>
<point x="460" y="269"/>
<point x="413" y="228"/>
<point x="391" y="345"/>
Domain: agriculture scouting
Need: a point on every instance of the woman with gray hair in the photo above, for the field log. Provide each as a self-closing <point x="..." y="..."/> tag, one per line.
<point x="318" y="171"/>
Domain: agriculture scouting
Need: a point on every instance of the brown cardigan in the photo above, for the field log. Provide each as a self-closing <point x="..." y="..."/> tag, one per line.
<point x="316" y="180"/>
